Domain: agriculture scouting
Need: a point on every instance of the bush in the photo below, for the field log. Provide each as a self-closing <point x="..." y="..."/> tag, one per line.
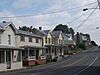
<point x="82" y="46"/>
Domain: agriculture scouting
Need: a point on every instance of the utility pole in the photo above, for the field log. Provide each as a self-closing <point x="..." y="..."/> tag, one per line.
<point x="98" y="3"/>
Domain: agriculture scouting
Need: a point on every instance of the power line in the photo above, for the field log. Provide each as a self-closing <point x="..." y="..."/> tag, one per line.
<point x="86" y="19"/>
<point x="82" y="6"/>
<point x="77" y="18"/>
<point x="47" y="13"/>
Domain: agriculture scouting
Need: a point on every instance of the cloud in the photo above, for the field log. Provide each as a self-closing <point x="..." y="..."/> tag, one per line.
<point x="23" y="3"/>
<point x="49" y="21"/>
<point x="14" y="20"/>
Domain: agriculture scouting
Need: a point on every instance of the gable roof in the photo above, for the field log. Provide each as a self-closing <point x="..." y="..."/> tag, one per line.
<point x="3" y="26"/>
<point x="21" y="32"/>
<point x="56" y="33"/>
<point x="39" y="32"/>
<point x="46" y="31"/>
<point x="16" y="31"/>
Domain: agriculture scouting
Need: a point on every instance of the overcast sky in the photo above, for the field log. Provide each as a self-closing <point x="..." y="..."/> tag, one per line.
<point x="41" y="9"/>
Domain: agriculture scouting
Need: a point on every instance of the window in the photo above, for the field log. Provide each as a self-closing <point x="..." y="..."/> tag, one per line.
<point x="22" y="38"/>
<point x="30" y="39"/>
<point x="52" y="50"/>
<point x="45" y="39"/>
<point x="9" y="39"/>
<point x="52" y="41"/>
<point x="37" y="40"/>
<point x="60" y="41"/>
<point x="49" y="40"/>
<point x="2" y="56"/>
<point x="0" y="39"/>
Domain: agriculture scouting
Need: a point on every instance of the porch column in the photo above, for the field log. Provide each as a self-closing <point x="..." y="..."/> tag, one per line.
<point x="20" y="55"/>
<point x="51" y="50"/>
<point x="35" y="53"/>
<point x="11" y="57"/>
<point x="5" y="56"/>
<point x="28" y="53"/>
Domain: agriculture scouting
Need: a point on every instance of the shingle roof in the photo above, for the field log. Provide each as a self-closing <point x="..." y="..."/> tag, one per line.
<point x="46" y="31"/>
<point x="4" y="25"/>
<point x="56" y="33"/>
<point x="27" y="33"/>
<point x="39" y="32"/>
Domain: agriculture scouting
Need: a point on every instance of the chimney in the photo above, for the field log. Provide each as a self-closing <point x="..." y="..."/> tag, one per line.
<point x="4" y="21"/>
<point x="40" y="28"/>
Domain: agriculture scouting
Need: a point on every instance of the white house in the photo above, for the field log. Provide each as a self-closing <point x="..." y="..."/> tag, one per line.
<point x="34" y="52"/>
<point x="10" y="55"/>
<point x="59" y="44"/>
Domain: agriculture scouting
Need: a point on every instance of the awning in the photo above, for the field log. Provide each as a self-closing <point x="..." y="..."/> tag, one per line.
<point x="59" y="46"/>
<point x="30" y="46"/>
<point x="5" y="47"/>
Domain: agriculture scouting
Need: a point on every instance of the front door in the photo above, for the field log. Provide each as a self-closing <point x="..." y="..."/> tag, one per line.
<point x="37" y="54"/>
<point x="8" y="59"/>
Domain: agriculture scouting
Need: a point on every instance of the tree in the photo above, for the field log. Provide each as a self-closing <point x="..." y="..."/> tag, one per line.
<point x="72" y="32"/>
<point x="93" y="43"/>
<point x="87" y="35"/>
<point x="63" y="28"/>
<point x="25" y="28"/>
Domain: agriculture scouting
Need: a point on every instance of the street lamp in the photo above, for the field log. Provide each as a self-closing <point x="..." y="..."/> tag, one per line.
<point x="89" y="8"/>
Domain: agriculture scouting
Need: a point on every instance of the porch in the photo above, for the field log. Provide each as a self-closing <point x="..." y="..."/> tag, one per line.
<point x="54" y="53"/>
<point x="10" y="58"/>
<point x="32" y="55"/>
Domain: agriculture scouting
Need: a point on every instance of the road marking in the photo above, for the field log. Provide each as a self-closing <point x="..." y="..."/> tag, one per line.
<point x="64" y="66"/>
<point x="76" y="62"/>
<point x="87" y="67"/>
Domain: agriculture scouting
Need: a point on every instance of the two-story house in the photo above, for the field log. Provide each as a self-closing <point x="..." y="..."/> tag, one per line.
<point x="34" y="52"/>
<point x="10" y="55"/>
<point x="47" y="42"/>
<point x="59" y="44"/>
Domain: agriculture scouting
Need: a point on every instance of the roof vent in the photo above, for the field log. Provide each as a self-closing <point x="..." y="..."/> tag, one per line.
<point x="4" y="21"/>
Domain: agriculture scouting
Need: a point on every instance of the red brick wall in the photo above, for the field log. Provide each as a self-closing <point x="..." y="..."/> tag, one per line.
<point x="40" y="61"/>
<point x="29" y="63"/>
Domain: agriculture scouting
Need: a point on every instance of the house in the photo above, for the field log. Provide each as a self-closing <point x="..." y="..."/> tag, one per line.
<point x="34" y="52"/>
<point x="59" y="44"/>
<point x="82" y="38"/>
<point x="47" y="42"/>
<point x="70" y="43"/>
<point x="10" y="55"/>
<point x="53" y="40"/>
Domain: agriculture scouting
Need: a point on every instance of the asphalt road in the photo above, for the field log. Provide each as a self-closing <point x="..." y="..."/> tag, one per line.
<point x="85" y="63"/>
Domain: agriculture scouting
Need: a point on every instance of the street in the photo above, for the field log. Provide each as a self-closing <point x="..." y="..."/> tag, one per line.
<point x="84" y="63"/>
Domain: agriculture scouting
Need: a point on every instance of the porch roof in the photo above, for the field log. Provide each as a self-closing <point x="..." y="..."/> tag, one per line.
<point x="35" y="47"/>
<point x="56" y="45"/>
<point x="5" y="47"/>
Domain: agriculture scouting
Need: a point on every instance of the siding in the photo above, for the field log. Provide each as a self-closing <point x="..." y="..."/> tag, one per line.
<point x="26" y="42"/>
<point x="4" y="36"/>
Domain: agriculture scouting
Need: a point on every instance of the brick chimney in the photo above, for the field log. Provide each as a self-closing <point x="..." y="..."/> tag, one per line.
<point x="40" y="28"/>
<point x="4" y="21"/>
